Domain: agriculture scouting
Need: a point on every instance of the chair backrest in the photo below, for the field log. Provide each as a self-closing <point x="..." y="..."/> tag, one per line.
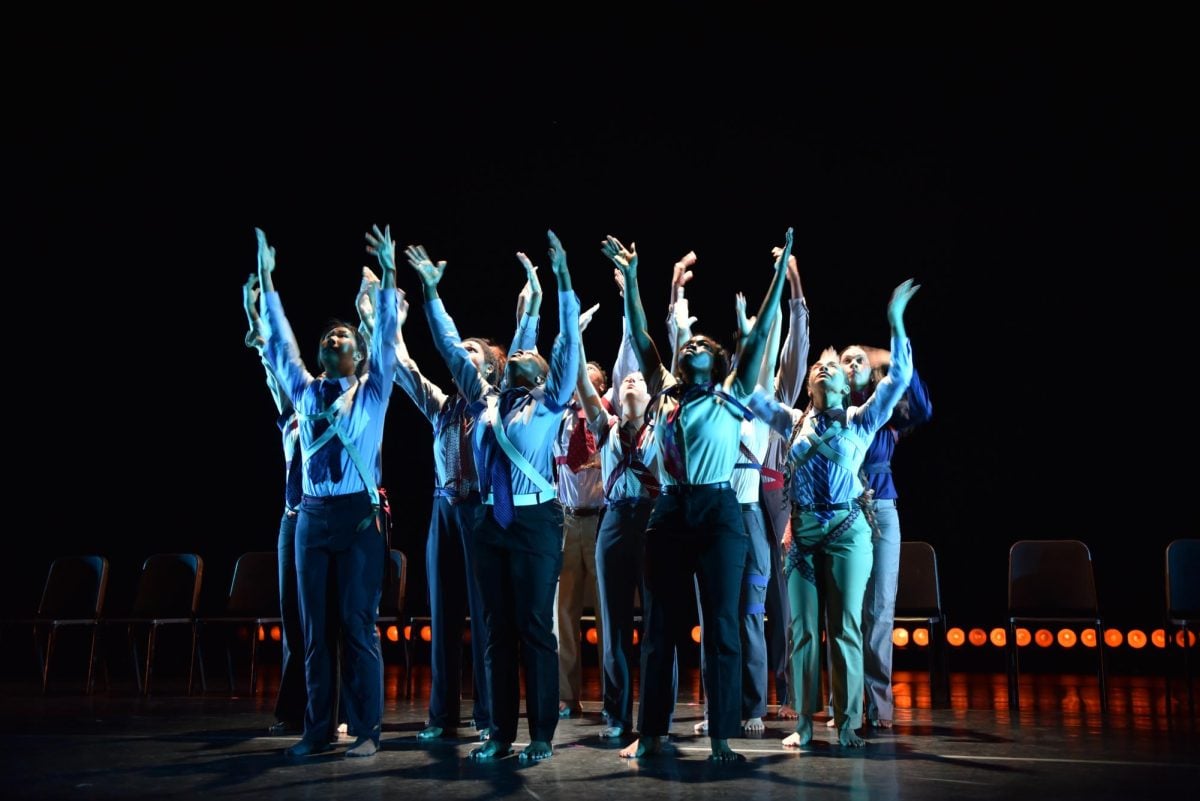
<point x="1048" y="578"/>
<point x="254" y="591"/>
<point x="1183" y="579"/>
<point x="75" y="588"/>
<point x="395" y="580"/>
<point x="917" y="591"/>
<point x="169" y="586"/>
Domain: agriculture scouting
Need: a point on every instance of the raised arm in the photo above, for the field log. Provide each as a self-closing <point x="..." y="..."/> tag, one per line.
<point x="626" y="262"/>
<point x="766" y="373"/>
<point x="529" y="304"/>
<point x="427" y="395"/>
<point x="281" y="356"/>
<point x="744" y="377"/>
<point x="381" y="365"/>
<point x="441" y="325"/>
<point x="560" y="384"/>
<point x="793" y="359"/>
<point x="878" y="408"/>
<point x="256" y="338"/>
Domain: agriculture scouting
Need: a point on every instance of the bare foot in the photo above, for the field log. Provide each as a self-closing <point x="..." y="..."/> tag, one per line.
<point x="786" y="712"/>
<point x="536" y="751"/>
<point x="643" y="747"/>
<point x="831" y="724"/>
<point x="492" y="749"/>
<point x="701" y="727"/>
<point x="848" y="737"/>
<point x="612" y="732"/>
<point x="721" y="752"/>
<point x="881" y="723"/>
<point x="754" y="726"/>
<point x="803" y="734"/>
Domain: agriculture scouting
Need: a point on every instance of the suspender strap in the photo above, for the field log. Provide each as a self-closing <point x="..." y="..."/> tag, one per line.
<point x="518" y="460"/>
<point x="335" y="430"/>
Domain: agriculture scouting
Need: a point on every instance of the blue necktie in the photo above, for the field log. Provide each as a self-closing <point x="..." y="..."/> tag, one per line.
<point x="501" y="480"/>
<point x="326" y="464"/>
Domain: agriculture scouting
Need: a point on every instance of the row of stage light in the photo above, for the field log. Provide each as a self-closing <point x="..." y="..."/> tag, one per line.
<point x="919" y="637"/>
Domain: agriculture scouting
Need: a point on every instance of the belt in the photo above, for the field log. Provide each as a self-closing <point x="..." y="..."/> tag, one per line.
<point x="450" y="492"/>
<point x="684" y="489"/>
<point x="333" y="500"/>
<point x="582" y="511"/>
<point x="826" y="507"/>
<point x="750" y="507"/>
<point x="527" y="499"/>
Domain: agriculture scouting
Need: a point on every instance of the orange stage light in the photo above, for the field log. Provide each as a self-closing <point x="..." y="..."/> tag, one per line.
<point x="393" y="634"/>
<point x="899" y="637"/>
<point x="1066" y="638"/>
<point x="1024" y="637"/>
<point x="956" y="637"/>
<point x="695" y="634"/>
<point x="1136" y="638"/>
<point x="1088" y="638"/>
<point x="999" y="637"/>
<point x="977" y="636"/>
<point x="1044" y="638"/>
<point x="921" y="637"/>
<point x="426" y="633"/>
<point x="1113" y="638"/>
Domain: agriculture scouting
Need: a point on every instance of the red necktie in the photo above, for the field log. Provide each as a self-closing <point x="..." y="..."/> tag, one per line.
<point x="582" y="446"/>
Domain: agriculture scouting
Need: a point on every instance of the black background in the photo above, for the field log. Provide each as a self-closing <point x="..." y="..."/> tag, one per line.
<point x="1038" y="195"/>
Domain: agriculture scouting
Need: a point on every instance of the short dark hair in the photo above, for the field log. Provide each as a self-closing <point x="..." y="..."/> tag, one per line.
<point x="360" y="343"/>
<point x="494" y="355"/>
<point x="603" y="376"/>
<point x="720" y="369"/>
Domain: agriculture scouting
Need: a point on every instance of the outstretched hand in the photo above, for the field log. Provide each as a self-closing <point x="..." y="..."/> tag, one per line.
<point x="266" y="254"/>
<point x="418" y="259"/>
<point x="901" y="295"/>
<point x="529" y="300"/>
<point x="624" y="258"/>
<point x="619" y="277"/>
<point x="381" y="245"/>
<point x="585" y="317"/>
<point x="744" y="323"/>
<point x="558" y="255"/>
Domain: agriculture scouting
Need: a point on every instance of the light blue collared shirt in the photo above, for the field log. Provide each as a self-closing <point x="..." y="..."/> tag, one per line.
<point x="532" y="430"/>
<point x="860" y="423"/>
<point x="362" y="420"/>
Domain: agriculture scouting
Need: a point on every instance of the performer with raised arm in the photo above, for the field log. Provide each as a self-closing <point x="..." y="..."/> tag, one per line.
<point x="695" y="530"/>
<point x="338" y="539"/>
<point x="829" y="443"/>
<point x="518" y="529"/>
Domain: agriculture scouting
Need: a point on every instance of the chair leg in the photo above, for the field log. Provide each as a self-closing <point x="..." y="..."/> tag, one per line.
<point x="137" y="663"/>
<point x="408" y="677"/>
<point x="192" y="657"/>
<point x="253" y="657"/>
<point x="89" y="683"/>
<point x="46" y="662"/>
<point x="1014" y="671"/>
<point x="150" y="643"/>
<point x="1187" y="672"/>
<point x="1103" y="671"/>
<point x="41" y="656"/>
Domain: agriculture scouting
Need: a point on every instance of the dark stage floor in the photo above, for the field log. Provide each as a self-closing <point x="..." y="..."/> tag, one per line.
<point x="116" y="744"/>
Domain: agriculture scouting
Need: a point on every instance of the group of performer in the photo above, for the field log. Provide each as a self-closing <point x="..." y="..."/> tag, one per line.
<point x="696" y="480"/>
